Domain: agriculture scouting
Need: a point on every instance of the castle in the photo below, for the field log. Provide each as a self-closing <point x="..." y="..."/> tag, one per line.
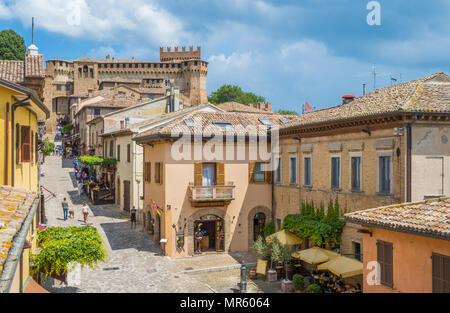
<point x="68" y="81"/>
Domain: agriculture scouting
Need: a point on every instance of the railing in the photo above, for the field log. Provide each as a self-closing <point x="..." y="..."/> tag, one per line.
<point x="211" y="193"/>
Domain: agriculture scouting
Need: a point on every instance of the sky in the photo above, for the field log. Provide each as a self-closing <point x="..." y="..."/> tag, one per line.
<point x="289" y="51"/>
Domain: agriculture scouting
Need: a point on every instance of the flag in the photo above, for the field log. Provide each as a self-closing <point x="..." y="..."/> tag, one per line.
<point x="155" y="208"/>
<point x="307" y="107"/>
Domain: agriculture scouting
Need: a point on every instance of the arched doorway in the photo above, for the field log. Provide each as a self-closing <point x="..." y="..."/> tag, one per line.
<point x="259" y="221"/>
<point x="213" y="233"/>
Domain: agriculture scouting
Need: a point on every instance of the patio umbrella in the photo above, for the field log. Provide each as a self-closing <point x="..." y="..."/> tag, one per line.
<point x="315" y="255"/>
<point x="286" y="238"/>
<point x="343" y="266"/>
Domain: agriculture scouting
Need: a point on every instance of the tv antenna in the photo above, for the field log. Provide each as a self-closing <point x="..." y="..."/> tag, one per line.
<point x="32" y="30"/>
<point x="374" y="74"/>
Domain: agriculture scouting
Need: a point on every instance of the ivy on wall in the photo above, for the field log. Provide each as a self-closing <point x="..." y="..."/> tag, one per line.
<point x="95" y="160"/>
<point x="313" y="223"/>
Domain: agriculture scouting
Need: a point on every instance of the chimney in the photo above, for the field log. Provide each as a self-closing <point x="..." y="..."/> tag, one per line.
<point x="90" y="91"/>
<point x="122" y="124"/>
<point x="268" y="107"/>
<point x="108" y="57"/>
<point x="348" y="98"/>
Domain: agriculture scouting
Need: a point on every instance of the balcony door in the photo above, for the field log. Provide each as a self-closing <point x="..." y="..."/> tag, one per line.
<point x="209" y="174"/>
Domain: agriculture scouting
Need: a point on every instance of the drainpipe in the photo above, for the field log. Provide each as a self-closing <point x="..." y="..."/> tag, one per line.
<point x="6" y="144"/>
<point x="409" y="160"/>
<point x="14" y="106"/>
<point x="15" y="252"/>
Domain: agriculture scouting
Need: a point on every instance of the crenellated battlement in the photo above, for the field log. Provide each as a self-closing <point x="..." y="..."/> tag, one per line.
<point x="183" y="55"/>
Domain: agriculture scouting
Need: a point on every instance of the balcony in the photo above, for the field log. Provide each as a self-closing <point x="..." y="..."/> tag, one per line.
<point x="211" y="195"/>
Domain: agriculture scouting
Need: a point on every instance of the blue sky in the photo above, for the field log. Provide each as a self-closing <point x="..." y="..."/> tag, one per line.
<point x="288" y="51"/>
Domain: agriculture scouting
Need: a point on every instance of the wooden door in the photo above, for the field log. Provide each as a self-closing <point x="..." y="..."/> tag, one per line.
<point x="126" y="195"/>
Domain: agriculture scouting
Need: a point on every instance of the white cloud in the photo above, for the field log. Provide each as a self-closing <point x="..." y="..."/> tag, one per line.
<point x="103" y="19"/>
<point x="4" y="11"/>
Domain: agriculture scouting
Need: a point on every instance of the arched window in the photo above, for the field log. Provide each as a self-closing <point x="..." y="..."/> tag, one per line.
<point x="259" y="222"/>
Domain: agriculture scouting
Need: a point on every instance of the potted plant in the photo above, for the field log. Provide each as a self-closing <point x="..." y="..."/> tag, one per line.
<point x="299" y="283"/>
<point x="275" y="255"/>
<point x="313" y="288"/>
<point x="286" y="284"/>
<point x="260" y="248"/>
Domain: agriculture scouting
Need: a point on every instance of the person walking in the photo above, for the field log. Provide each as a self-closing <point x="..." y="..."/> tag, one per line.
<point x="133" y="217"/>
<point x="65" y="207"/>
<point x="85" y="211"/>
<point x="80" y="188"/>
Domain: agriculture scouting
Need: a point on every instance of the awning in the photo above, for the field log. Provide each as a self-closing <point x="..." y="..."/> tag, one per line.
<point x="343" y="266"/>
<point x="315" y="255"/>
<point x="286" y="238"/>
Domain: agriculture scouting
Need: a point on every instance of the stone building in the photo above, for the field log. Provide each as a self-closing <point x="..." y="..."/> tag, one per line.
<point x="389" y="146"/>
<point x="69" y="79"/>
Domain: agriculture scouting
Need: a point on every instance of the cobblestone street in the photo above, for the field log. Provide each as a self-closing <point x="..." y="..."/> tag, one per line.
<point x="134" y="262"/>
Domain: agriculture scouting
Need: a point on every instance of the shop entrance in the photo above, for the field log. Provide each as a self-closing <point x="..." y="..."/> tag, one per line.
<point x="211" y="231"/>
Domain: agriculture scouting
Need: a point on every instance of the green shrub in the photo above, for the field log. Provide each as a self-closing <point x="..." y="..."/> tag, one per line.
<point x="48" y="147"/>
<point x="63" y="245"/>
<point x="313" y="288"/>
<point x="67" y="128"/>
<point x="95" y="160"/>
<point x="269" y="229"/>
<point x="298" y="282"/>
<point x="260" y="246"/>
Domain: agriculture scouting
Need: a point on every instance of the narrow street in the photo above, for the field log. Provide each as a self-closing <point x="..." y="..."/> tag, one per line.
<point x="134" y="262"/>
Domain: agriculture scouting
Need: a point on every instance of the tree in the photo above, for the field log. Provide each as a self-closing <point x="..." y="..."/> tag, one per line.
<point x="12" y="46"/>
<point x="228" y="93"/>
<point x="287" y="112"/>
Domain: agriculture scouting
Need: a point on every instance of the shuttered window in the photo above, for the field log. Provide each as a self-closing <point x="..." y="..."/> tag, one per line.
<point x="32" y="147"/>
<point x="17" y="143"/>
<point x="251" y="172"/>
<point x="111" y="149"/>
<point x="220" y="173"/>
<point x="158" y="173"/>
<point x="25" y="135"/>
<point x="198" y="173"/>
<point x="36" y="148"/>
<point x="118" y="152"/>
<point x="147" y="171"/>
<point x="268" y="175"/>
<point x="259" y="173"/>
<point x="385" y="259"/>
<point x="440" y="273"/>
<point x="128" y="153"/>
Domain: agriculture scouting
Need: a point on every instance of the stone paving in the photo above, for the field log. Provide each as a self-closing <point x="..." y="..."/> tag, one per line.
<point x="134" y="262"/>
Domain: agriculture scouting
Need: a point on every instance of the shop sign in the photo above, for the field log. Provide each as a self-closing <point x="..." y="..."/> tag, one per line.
<point x="180" y="241"/>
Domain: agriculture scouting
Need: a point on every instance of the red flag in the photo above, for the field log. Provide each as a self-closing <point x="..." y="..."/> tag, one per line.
<point x="307" y="107"/>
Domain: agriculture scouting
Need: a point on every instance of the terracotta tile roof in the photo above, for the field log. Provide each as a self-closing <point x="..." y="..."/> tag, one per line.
<point x="428" y="218"/>
<point x="206" y="124"/>
<point x="427" y="94"/>
<point x="12" y="70"/>
<point x="233" y="106"/>
<point x="15" y="203"/>
<point x="119" y="79"/>
<point x="34" y="66"/>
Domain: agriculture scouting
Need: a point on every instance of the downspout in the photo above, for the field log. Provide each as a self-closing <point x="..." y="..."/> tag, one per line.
<point x="7" y="144"/>
<point x="14" y="106"/>
<point x="409" y="160"/>
<point x="15" y="253"/>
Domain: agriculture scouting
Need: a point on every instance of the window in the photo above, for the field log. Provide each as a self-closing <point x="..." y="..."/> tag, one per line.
<point x="356" y="250"/>
<point x="279" y="223"/>
<point x="355" y="173"/>
<point x="307" y="171"/>
<point x="189" y="123"/>
<point x="293" y="169"/>
<point x="96" y="111"/>
<point x="118" y="152"/>
<point x="32" y="147"/>
<point x="25" y="143"/>
<point x="58" y="87"/>
<point x="209" y="174"/>
<point x="278" y="171"/>
<point x="384" y="258"/>
<point x="335" y="172"/>
<point x="223" y="125"/>
<point x="158" y="173"/>
<point x="384" y="171"/>
<point x="259" y="173"/>
<point x="440" y="273"/>
<point x="147" y="171"/>
<point x="266" y="121"/>
<point x="111" y="149"/>
<point x="17" y="143"/>
<point x="128" y="153"/>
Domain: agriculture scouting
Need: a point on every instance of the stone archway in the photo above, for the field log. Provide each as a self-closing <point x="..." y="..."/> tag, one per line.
<point x="189" y="242"/>
<point x="259" y="209"/>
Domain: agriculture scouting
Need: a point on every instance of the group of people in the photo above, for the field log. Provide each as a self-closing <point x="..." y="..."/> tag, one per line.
<point x="333" y="284"/>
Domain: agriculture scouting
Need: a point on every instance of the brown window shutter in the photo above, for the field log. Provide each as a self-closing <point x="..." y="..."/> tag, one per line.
<point x="220" y="171"/>
<point x="268" y="176"/>
<point x="251" y="172"/>
<point x="17" y="143"/>
<point x="149" y="169"/>
<point x="128" y="153"/>
<point x="145" y="171"/>
<point x="198" y="173"/>
<point x="32" y="147"/>
<point x="36" y="148"/>
<point x="440" y="273"/>
<point x="385" y="259"/>
<point x="161" y="169"/>
<point x="25" y="140"/>
<point x="118" y="152"/>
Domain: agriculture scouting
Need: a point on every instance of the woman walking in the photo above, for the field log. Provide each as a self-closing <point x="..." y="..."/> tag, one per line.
<point x="85" y="211"/>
